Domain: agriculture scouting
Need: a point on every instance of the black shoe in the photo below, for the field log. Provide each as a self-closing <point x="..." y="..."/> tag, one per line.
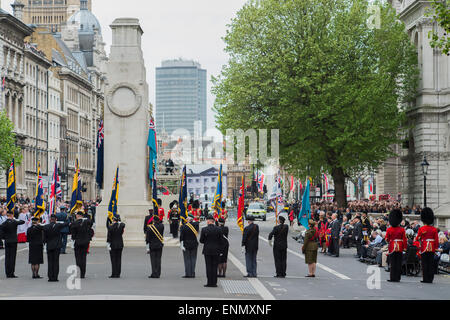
<point x="38" y="277"/>
<point x="186" y="277"/>
<point x="426" y="281"/>
<point x="111" y="277"/>
<point x="53" y="280"/>
<point x="12" y="277"/>
<point x="389" y="280"/>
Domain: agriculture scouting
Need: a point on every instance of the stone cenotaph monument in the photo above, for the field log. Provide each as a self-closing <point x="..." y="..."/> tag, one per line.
<point x="126" y="121"/>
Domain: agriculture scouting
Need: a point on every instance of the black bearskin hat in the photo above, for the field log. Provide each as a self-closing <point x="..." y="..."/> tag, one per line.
<point x="159" y="202"/>
<point x="196" y="204"/>
<point x="395" y="218"/>
<point x="427" y="216"/>
<point x="172" y="204"/>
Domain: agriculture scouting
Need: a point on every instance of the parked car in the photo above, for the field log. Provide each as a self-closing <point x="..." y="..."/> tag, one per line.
<point x="257" y="210"/>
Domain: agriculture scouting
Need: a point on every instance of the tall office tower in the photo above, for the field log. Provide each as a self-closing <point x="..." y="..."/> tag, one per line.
<point x="50" y="13"/>
<point x="180" y="96"/>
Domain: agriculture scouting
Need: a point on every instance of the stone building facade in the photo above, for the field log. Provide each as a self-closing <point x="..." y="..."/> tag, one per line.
<point x="429" y="116"/>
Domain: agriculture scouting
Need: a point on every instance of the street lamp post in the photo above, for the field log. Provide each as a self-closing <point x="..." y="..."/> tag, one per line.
<point x="425" y="166"/>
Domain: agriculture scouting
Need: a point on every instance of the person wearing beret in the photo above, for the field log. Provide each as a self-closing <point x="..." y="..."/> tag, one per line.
<point x="115" y="245"/>
<point x="35" y="240"/>
<point x="250" y="240"/>
<point x="278" y="237"/>
<point x="211" y="237"/>
<point x="9" y="231"/>
<point x="189" y="245"/>
<point x="54" y="242"/>
<point x="310" y="248"/>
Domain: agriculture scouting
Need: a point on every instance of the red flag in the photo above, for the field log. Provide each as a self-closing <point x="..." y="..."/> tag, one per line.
<point x="240" y="215"/>
<point x="292" y="184"/>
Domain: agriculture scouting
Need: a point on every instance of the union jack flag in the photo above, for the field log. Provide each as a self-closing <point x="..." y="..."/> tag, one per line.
<point x="261" y="181"/>
<point x="101" y="134"/>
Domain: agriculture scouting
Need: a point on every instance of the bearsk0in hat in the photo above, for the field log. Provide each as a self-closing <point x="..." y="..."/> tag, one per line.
<point x="427" y="216"/>
<point x="395" y="218"/>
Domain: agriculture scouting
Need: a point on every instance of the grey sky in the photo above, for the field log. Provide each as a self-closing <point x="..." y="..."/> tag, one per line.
<point x="190" y="29"/>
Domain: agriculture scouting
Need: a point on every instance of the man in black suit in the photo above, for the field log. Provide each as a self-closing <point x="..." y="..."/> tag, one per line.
<point x="155" y="240"/>
<point x="250" y="240"/>
<point x="115" y="245"/>
<point x="82" y="235"/>
<point x="9" y="231"/>
<point x="358" y="236"/>
<point x="335" y="233"/>
<point x="211" y="237"/>
<point x="189" y="245"/>
<point x="280" y="233"/>
<point x="148" y="218"/>
<point x="53" y="239"/>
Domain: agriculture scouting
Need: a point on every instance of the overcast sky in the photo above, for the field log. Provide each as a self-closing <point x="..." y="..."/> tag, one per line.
<point x="189" y="29"/>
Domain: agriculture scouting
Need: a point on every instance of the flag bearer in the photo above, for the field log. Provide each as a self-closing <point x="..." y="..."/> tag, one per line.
<point x="155" y="239"/>
<point x="115" y="245"/>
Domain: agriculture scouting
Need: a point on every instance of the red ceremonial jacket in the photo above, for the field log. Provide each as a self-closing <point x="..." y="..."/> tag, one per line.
<point x="161" y="214"/>
<point x="428" y="238"/>
<point x="396" y="237"/>
<point x="196" y="214"/>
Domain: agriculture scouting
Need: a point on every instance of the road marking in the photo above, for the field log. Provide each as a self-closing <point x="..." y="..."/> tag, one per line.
<point x="259" y="287"/>
<point x="321" y="266"/>
<point x="3" y="257"/>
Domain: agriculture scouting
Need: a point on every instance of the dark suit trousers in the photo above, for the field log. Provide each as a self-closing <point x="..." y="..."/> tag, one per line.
<point x="64" y="242"/>
<point x="335" y="246"/>
<point x="428" y="266"/>
<point x="53" y="264"/>
<point x="10" y="258"/>
<point x="250" y="262"/>
<point x="212" y="263"/>
<point x="358" y="247"/>
<point x="396" y="265"/>
<point x="155" y="259"/>
<point x="80" y="259"/>
<point x="280" y="256"/>
<point x="116" y="262"/>
<point x="190" y="259"/>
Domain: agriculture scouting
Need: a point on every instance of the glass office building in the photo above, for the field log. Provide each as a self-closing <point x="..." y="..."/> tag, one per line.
<point x="180" y="96"/>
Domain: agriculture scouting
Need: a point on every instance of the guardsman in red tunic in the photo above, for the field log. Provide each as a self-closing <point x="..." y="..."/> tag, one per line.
<point x="322" y="226"/>
<point x="396" y="238"/>
<point x="429" y="242"/>
<point x="160" y="210"/>
<point x="196" y="211"/>
<point x="224" y="212"/>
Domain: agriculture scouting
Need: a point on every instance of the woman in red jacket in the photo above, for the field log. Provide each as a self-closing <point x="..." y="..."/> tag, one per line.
<point x="429" y="242"/>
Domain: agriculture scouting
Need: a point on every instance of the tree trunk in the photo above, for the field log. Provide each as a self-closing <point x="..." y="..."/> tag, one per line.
<point x="339" y="187"/>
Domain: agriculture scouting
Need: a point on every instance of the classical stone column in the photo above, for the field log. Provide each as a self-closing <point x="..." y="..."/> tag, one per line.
<point x="126" y="130"/>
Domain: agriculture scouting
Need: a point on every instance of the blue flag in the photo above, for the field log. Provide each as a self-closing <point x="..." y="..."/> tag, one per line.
<point x="39" y="201"/>
<point x="217" y="202"/>
<point x="112" y="207"/>
<point x="155" y="196"/>
<point x="153" y="150"/>
<point x="183" y="197"/>
<point x="305" y="212"/>
<point x="100" y="154"/>
<point x="76" y="202"/>
<point x="11" y="187"/>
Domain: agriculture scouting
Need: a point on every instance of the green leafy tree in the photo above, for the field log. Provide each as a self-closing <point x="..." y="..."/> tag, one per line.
<point x="320" y="73"/>
<point x="8" y="147"/>
<point x="440" y="12"/>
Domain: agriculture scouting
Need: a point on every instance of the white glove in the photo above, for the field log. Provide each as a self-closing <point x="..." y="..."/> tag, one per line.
<point x="72" y="244"/>
<point x="108" y="246"/>
<point x="243" y="249"/>
<point x="148" y="247"/>
<point x="271" y="243"/>
<point x="182" y="246"/>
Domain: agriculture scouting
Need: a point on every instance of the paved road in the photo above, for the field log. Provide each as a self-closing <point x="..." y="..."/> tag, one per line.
<point x="337" y="278"/>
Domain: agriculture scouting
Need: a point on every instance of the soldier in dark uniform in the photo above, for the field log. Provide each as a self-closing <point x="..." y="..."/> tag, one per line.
<point x="211" y="237"/>
<point x="155" y="239"/>
<point x="9" y="230"/>
<point x="358" y="236"/>
<point x="54" y="240"/>
<point x="189" y="245"/>
<point x="36" y="247"/>
<point x="115" y="245"/>
<point x="250" y="240"/>
<point x="174" y="220"/>
<point x="223" y="257"/>
<point x="148" y="218"/>
<point x="81" y="234"/>
<point x="280" y="233"/>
